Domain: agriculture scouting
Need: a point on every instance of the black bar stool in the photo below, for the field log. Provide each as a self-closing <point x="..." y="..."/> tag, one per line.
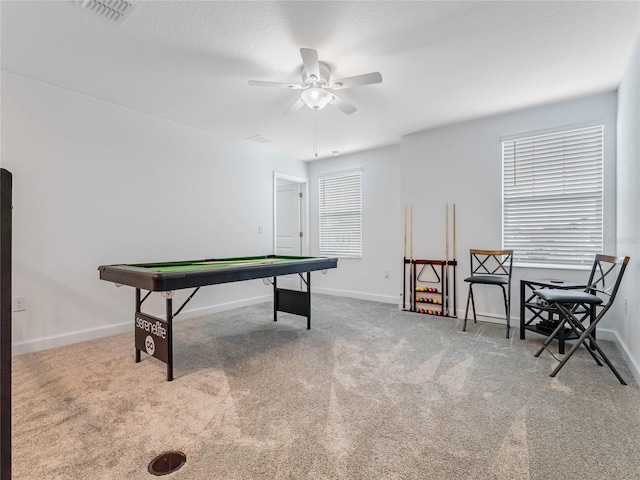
<point x="490" y="267"/>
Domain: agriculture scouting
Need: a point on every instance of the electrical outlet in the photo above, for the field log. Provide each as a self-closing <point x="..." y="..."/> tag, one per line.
<point x="19" y="304"/>
<point x="386" y="274"/>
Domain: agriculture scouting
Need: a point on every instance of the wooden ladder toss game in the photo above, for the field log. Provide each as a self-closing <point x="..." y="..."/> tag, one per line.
<point x="436" y="295"/>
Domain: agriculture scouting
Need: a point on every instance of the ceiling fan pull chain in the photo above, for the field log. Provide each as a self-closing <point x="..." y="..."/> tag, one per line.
<point x="315" y="133"/>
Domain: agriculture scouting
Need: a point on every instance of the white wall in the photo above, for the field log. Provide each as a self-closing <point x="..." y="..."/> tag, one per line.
<point x="382" y="228"/>
<point x="97" y="184"/>
<point x="462" y="163"/>
<point x="628" y="200"/>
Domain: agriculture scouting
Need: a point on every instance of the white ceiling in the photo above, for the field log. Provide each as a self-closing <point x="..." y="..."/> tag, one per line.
<point x="441" y="62"/>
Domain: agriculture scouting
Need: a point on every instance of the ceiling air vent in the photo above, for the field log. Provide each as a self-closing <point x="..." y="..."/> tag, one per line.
<point x="118" y="11"/>
<point x="259" y="139"/>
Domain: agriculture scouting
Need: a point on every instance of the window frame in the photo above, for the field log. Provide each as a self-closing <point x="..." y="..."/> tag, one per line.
<point x="354" y="247"/>
<point x="596" y="203"/>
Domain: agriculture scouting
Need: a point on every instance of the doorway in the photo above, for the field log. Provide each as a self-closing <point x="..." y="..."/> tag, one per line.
<point x="289" y="222"/>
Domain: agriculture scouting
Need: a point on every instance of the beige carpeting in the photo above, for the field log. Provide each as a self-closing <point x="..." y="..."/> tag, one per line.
<point x="369" y="392"/>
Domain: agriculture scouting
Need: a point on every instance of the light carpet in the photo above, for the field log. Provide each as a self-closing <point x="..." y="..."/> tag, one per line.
<point x="369" y="392"/>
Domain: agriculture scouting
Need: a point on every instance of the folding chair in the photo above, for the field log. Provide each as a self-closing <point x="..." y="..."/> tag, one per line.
<point x="490" y="267"/>
<point x="604" y="280"/>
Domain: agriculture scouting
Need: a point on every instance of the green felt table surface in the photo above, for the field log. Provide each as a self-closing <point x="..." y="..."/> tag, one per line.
<point x="209" y="264"/>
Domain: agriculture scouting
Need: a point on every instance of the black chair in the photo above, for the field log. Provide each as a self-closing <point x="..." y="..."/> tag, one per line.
<point x="604" y="280"/>
<point x="490" y="267"/>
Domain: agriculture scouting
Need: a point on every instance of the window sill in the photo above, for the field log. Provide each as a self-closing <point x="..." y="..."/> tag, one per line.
<point x="551" y="266"/>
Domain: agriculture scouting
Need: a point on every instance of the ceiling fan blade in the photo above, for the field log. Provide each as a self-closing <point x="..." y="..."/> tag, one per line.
<point x="310" y="62"/>
<point x="297" y="105"/>
<point x="358" y="80"/>
<point x="292" y="86"/>
<point x="342" y="105"/>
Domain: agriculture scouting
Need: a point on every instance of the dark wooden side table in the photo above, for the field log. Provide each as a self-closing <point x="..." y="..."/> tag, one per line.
<point x="537" y="316"/>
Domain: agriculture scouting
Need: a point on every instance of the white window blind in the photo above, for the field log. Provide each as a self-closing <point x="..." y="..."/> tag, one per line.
<point x="552" y="197"/>
<point x="341" y="214"/>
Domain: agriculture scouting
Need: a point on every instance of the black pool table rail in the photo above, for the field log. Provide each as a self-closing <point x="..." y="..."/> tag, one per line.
<point x="144" y="276"/>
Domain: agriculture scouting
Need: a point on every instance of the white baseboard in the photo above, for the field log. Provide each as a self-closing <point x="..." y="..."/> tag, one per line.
<point x="373" y="297"/>
<point x="626" y="353"/>
<point x="223" y="307"/>
<point x="61" y="340"/>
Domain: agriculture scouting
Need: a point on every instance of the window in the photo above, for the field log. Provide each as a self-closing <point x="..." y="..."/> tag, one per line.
<point x="341" y="214"/>
<point x="552" y="197"/>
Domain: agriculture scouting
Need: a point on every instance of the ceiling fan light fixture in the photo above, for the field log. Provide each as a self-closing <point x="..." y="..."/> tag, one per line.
<point x="316" y="84"/>
<point x="316" y="98"/>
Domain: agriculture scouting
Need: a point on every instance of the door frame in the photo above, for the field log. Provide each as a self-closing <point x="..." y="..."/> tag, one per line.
<point x="304" y="209"/>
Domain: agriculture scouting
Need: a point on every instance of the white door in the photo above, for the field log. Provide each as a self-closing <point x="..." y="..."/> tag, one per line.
<point x="288" y="226"/>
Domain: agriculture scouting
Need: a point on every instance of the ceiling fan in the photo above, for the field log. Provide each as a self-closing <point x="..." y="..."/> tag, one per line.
<point x="317" y="85"/>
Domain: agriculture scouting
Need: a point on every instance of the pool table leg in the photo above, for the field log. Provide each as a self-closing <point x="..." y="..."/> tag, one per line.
<point x="170" y="339"/>
<point x="275" y="297"/>
<point x="293" y="301"/>
<point x="138" y="308"/>
<point x="169" y="327"/>
<point x="308" y="300"/>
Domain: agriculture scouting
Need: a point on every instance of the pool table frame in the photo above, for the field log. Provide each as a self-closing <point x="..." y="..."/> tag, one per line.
<point x="143" y="277"/>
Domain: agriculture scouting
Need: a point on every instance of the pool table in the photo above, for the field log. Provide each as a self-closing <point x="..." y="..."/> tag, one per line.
<point x="154" y="335"/>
